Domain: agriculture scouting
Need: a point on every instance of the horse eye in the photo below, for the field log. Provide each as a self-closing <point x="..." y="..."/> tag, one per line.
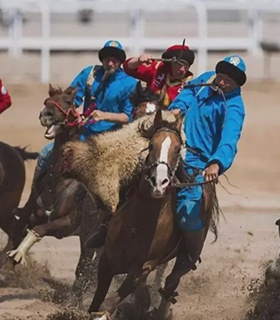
<point x="151" y="147"/>
<point x="69" y="102"/>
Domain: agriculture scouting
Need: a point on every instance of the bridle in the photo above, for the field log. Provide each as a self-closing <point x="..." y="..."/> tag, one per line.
<point x="155" y="164"/>
<point x="79" y="120"/>
<point x="172" y="172"/>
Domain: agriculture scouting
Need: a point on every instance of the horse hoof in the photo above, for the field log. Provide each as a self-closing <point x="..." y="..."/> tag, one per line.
<point x="156" y="314"/>
<point x="17" y="256"/>
<point x="104" y="315"/>
<point x="2" y="280"/>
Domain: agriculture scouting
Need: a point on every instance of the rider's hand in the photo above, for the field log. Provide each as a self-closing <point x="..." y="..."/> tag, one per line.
<point x="211" y="173"/>
<point x="145" y="58"/>
<point x="98" y="115"/>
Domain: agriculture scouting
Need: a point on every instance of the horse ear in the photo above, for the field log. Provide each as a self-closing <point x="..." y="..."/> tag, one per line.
<point x="139" y="88"/>
<point x="52" y="90"/>
<point x="71" y="91"/>
<point x="179" y="121"/>
<point x="158" y="119"/>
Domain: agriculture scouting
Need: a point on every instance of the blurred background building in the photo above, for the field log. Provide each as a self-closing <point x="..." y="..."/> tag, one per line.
<point x="50" y="40"/>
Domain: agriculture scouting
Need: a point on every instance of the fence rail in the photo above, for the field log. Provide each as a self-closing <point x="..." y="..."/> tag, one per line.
<point x="136" y="41"/>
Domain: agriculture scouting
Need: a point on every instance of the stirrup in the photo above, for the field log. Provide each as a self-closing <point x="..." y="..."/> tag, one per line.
<point x="172" y="298"/>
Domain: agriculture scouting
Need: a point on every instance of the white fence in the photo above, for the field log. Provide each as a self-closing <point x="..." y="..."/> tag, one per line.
<point x="136" y="41"/>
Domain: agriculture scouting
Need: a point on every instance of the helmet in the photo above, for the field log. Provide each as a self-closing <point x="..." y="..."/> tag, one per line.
<point x="233" y="66"/>
<point x="112" y="48"/>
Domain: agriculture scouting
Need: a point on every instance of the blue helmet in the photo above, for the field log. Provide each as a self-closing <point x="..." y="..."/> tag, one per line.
<point x="233" y="66"/>
<point x="112" y="48"/>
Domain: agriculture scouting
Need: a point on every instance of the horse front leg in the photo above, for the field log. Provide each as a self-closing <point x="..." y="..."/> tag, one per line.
<point x="35" y="235"/>
<point x="135" y="277"/>
<point x="84" y="273"/>
<point x="168" y="293"/>
<point x="86" y="269"/>
<point x="104" y="278"/>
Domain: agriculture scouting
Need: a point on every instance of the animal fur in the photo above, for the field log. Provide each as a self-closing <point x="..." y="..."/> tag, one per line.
<point x="108" y="161"/>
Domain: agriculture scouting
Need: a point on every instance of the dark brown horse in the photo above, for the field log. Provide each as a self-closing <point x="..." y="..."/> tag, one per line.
<point x="145" y="101"/>
<point x="69" y="206"/>
<point x="142" y="234"/>
<point x="12" y="181"/>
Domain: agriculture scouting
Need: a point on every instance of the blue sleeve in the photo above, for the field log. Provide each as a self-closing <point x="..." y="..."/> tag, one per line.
<point x="227" y="148"/>
<point x="80" y="81"/>
<point x="126" y="105"/>
<point x="182" y="101"/>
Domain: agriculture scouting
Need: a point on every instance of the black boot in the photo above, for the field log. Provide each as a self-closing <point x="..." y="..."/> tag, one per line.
<point x="193" y="242"/>
<point x="191" y="250"/>
<point x="31" y="204"/>
<point x="187" y="257"/>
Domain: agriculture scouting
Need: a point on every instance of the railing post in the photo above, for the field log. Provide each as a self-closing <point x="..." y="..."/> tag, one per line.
<point x="202" y="36"/>
<point x="137" y="31"/>
<point x="255" y="29"/>
<point x="45" y="46"/>
<point x="15" y="32"/>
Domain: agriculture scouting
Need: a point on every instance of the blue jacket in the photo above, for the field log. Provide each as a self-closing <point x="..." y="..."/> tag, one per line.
<point x="114" y="96"/>
<point x="212" y="126"/>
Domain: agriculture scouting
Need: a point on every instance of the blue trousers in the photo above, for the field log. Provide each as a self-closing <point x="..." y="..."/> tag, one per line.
<point x="189" y="201"/>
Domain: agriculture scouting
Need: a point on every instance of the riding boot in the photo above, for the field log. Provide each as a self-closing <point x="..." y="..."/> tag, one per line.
<point x="192" y="247"/>
<point x="26" y="211"/>
<point x="97" y="239"/>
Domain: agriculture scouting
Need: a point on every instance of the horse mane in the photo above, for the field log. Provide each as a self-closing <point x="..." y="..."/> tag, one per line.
<point x="148" y="132"/>
<point x="145" y="95"/>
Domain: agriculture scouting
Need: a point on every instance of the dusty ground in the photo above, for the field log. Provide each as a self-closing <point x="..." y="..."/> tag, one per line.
<point x="231" y="267"/>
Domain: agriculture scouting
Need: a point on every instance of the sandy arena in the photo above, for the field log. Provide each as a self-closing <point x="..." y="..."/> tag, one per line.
<point x="232" y="267"/>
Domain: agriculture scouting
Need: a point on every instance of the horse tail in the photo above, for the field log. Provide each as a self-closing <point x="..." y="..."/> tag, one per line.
<point x="26" y="155"/>
<point x="214" y="211"/>
<point x="2" y="174"/>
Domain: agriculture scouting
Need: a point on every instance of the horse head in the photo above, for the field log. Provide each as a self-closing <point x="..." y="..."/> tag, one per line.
<point x="164" y="154"/>
<point x="59" y="111"/>
<point x="144" y="100"/>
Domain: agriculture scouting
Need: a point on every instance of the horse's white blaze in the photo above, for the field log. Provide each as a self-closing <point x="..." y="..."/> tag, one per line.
<point x="150" y="108"/>
<point x="162" y="170"/>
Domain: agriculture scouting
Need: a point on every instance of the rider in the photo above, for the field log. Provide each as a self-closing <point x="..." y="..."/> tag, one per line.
<point x="5" y="98"/>
<point x="213" y="126"/>
<point x="104" y="92"/>
<point x="164" y="77"/>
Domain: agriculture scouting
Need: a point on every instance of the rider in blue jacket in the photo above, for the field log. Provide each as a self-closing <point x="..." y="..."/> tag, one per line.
<point x="103" y="91"/>
<point x="108" y="87"/>
<point x="213" y="124"/>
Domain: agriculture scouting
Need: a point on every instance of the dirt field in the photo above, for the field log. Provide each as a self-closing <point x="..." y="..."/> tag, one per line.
<point x="231" y="267"/>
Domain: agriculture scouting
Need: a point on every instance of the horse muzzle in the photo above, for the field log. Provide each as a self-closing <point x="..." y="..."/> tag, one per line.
<point x="159" y="187"/>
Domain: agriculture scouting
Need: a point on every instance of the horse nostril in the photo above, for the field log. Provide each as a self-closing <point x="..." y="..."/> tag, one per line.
<point x="153" y="181"/>
<point x="165" y="182"/>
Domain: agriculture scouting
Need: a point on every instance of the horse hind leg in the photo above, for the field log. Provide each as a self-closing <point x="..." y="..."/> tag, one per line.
<point x="104" y="279"/>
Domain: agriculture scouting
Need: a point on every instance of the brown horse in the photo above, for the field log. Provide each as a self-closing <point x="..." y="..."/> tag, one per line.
<point x="142" y="234"/>
<point x="71" y="210"/>
<point x="12" y="180"/>
<point x="64" y="198"/>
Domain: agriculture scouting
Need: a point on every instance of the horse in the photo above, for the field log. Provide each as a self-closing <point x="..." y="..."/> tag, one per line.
<point x="57" y="194"/>
<point x="71" y="209"/>
<point x="142" y="234"/>
<point x="145" y="101"/>
<point x="12" y="181"/>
